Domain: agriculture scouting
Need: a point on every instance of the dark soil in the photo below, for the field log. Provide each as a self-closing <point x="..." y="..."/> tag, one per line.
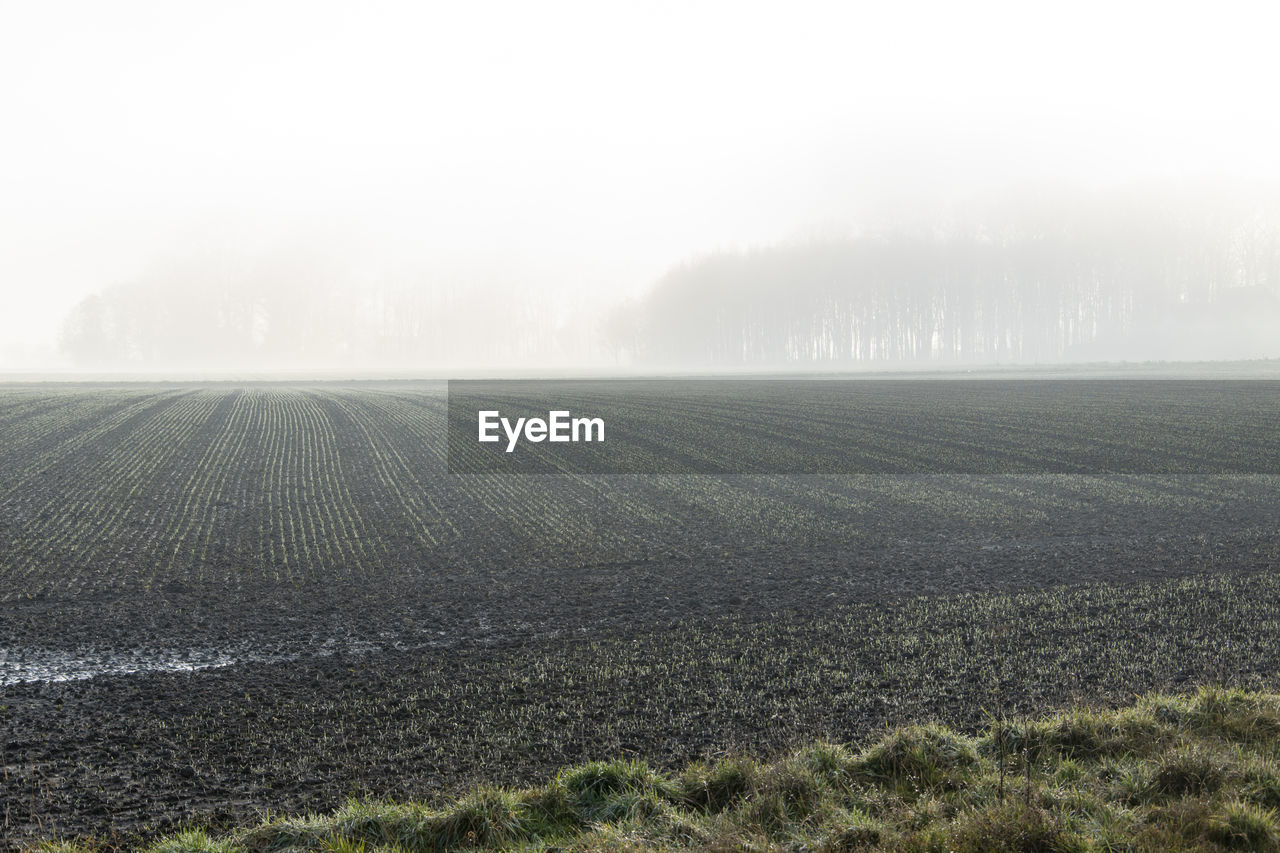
<point x="667" y="660"/>
<point x="394" y="631"/>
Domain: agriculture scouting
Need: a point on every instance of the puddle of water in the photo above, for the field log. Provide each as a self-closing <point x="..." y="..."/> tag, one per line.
<point x="23" y="665"/>
<point x="27" y="664"/>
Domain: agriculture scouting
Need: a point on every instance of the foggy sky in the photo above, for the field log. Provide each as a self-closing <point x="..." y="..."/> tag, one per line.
<point x="581" y="148"/>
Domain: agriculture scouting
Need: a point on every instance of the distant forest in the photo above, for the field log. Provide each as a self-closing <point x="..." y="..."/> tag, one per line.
<point x="1103" y="277"/>
<point x="289" y="311"/>
<point x="1035" y="282"/>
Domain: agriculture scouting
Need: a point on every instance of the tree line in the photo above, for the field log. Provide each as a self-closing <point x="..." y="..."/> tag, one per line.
<point x="1107" y="276"/>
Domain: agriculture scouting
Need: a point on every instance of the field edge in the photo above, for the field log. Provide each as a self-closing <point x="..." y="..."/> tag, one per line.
<point x="1197" y="771"/>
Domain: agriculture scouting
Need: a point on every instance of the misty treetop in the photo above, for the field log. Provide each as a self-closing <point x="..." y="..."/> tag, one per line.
<point x="1146" y="279"/>
<point x="1107" y="276"/>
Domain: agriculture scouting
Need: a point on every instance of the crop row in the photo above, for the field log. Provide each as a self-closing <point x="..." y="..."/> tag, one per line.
<point x="139" y="488"/>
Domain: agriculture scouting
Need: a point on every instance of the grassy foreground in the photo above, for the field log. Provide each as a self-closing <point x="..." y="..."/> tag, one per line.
<point x="1196" y="772"/>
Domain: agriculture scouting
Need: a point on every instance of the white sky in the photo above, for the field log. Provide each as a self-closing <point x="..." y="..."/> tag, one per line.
<point x="580" y="144"/>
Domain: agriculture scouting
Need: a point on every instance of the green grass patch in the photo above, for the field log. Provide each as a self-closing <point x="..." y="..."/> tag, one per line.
<point x="1170" y="773"/>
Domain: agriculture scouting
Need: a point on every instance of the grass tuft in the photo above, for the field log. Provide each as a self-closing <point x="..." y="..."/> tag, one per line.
<point x="1010" y="828"/>
<point x="716" y="787"/>
<point x="485" y="817"/>
<point x="1187" y="772"/>
<point x="194" y="841"/>
<point x="1242" y="826"/>
<point x="1172" y="773"/>
<point x="920" y="757"/>
<point x="614" y="790"/>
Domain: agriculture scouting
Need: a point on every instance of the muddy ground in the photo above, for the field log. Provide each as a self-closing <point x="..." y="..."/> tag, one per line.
<point x="417" y="690"/>
<point x="220" y="600"/>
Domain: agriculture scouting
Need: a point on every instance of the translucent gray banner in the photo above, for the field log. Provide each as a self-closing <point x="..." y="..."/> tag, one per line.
<point x="864" y="426"/>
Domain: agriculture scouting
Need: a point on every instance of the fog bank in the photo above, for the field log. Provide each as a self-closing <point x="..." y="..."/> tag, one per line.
<point x="285" y="184"/>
